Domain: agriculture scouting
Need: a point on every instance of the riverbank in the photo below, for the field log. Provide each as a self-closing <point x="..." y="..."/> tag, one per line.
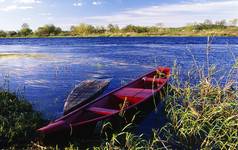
<point x="18" y="121"/>
<point x="178" y="33"/>
<point x="207" y="28"/>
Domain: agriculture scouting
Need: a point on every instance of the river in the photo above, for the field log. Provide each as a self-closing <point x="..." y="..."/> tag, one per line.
<point x="44" y="70"/>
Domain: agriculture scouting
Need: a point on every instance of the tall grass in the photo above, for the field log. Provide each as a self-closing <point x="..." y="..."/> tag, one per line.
<point x="18" y="121"/>
<point x="203" y="116"/>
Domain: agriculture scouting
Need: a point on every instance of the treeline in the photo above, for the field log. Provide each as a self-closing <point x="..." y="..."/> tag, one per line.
<point x="208" y="24"/>
<point x="87" y="29"/>
<point x="26" y="31"/>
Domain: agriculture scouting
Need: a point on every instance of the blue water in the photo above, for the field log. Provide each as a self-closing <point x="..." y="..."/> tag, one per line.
<point x="53" y="66"/>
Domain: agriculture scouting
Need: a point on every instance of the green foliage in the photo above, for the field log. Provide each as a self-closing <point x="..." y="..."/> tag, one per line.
<point x="18" y="121"/>
<point x="113" y="28"/>
<point x="135" y="29"/>
<point x="3" y="33"/>
<point x="25" y="30"/>
<point x="208" y="24"/>
<point x="12" y="34"/>
<point x="82" y="29"/>
<point x="99" y="30"/>
<point x="234" y="22"/>
<point x="202" y="116"/>
<point x="206" y="28"/>
<point x="48" y="30"/>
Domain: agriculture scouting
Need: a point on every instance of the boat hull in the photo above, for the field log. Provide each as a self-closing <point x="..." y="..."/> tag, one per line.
<point x="118" y="107"/>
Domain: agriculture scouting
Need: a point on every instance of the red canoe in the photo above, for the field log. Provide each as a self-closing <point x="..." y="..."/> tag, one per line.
<point x="129" y="98"/>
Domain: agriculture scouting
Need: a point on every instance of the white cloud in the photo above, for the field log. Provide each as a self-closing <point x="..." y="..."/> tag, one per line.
<point x="172" y="14"/>
<point x="77" y="4"/>
<point x="26" y="19"/>
<point x="45" y="14"/>
<point x="15" y="7"/>
<point x="18" y="5"/>
<point x="96" y="3"/>
<point x="28" y="1"/>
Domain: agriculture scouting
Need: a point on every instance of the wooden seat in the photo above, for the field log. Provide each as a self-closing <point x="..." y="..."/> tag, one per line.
<point x="102" y="111"/>
<point x="156" y="80"/>
<point x="133" y="95"/>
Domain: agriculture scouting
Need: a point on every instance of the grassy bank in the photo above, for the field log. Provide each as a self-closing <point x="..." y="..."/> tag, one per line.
<point x="18" y="122"/>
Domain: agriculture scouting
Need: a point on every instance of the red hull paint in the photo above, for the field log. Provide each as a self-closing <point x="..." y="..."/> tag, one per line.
<point x="129" y="98"/>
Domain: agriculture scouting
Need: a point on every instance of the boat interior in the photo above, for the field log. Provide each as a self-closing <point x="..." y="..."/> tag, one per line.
<point x="132" y="94"/>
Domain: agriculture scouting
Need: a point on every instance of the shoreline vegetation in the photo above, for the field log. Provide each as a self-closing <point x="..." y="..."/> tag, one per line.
<point x="206" y="28"/>
<point x="18" y="121"/>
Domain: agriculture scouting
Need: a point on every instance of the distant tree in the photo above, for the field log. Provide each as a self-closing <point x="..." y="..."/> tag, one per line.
<point x="57" y="31"/>
<point x="220" y="24"/>
<point x="113" y="28"/>
<point x="207" y="22"/>
<point x="159" y="25"/>
<point x="65" y="33"/>
<point x="234" y="22"/>
<point x="154" y="29"/>
<point x="129" y="28"/>
<point x="25" y="25"/>
<point x="3" y="33"/>
<point x="207" y="25"/>
<point x="136" y="29"/>
<point x="25" y="30"/>
<point x="11" y="33"/>
<point x="82" y="29"/>
<point x="190" y="26"/>
<point x="48" y="30"/>
<point x="100" y="29"/>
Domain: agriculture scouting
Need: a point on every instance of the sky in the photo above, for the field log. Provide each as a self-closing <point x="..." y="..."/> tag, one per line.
<point x="65" y="13"/>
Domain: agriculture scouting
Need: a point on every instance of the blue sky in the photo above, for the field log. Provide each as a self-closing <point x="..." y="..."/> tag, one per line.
<point x="65" y="13"/>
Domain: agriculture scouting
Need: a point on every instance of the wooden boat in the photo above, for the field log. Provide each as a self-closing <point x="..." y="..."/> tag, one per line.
<point x="130" y="98"/>
<point x="83" y="93"/>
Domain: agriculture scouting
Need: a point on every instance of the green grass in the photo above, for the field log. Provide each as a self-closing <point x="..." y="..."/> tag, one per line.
<point x="203" y="116"/>
<point x="18" y="121"/>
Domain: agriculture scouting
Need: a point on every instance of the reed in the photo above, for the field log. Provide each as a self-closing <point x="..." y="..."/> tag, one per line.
<point x="202" y="116"/>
